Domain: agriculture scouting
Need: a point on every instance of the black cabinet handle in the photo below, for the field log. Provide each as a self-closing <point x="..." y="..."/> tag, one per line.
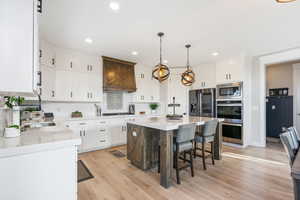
<point x="71" y="94"/>
<point x="41" y="53"/>
<point x="71" y="64"/>
<point x="53" y="61"/>
<point x="40" y="6"/>
<point x="40" y="78"/>
<point x="53" y="93"/>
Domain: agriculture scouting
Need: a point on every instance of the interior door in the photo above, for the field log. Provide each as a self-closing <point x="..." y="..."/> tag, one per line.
<point x="297" y="96"/>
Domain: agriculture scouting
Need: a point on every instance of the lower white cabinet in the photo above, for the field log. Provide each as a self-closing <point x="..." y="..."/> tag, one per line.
<point x="100" y="134"/>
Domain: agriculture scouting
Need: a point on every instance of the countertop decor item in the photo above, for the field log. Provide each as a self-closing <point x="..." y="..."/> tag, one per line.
<point x="13" y="103"/>
<point x="188" y="77"/>
<point x="12" y="131"/>
<point x="76" y="114"/>
<point x="153" y="107"/>
<point x="161" y="72"/>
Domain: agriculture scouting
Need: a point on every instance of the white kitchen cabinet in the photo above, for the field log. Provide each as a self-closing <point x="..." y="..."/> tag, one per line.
<point x="19" y="47"/>
<point x="230" y="70"/>
<point x="46" y="54"/>
<point x="180" y="92"/>
<point x="48" y="90"/>
<point x="78" y="77"/>
<point x="63" y="85"/>
<point x="147" y="87"/>
<point x="67" y="60"/>
<point x="205" y="76"/>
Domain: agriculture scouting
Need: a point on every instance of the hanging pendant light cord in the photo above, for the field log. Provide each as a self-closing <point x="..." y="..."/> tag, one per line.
<point x="160" y="50"/>
<point x="188" y="58"/>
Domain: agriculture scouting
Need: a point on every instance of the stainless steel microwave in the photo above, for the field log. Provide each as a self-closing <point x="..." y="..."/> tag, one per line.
<point x="230" y="91"/>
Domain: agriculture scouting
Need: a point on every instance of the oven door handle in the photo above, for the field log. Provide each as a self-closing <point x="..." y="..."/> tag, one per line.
<point x="230" y="105"/>
<point x="231" y="124"/>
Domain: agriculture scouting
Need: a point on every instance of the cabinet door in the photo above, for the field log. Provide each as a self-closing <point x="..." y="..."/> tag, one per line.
<point x="180" y="92"/>
<point x="47" y="54"/>
<point x="48" y="83"/>
<point x="205" y="76"/>
<point x="229" y="70"/>
<point x="67" y="60"/>
<point x="19" y="47"/>
<point x="63" y="86"/>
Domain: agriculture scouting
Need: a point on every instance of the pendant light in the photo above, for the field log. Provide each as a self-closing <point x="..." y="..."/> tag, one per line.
<point x="284" y="1"/>
<point x="188" y="77"/>
<point x="161" y="72"/>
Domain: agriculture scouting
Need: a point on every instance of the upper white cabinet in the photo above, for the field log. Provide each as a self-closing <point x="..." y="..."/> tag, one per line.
<point x="230" y="70"/>
<point x="48" y="89"/>
<point x="66" y="60"/>
<point x="19" y="47"/>
<point x="147" y="87"/>
<point x="46" y="54"/>
<point x="205" y="76"/>
<point x="69" y="75"/>
<point x="179" y="91"/>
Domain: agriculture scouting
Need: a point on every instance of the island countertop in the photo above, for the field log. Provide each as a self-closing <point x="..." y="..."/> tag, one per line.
<point x="38" y="139"/>
<point x="162" y="123"/>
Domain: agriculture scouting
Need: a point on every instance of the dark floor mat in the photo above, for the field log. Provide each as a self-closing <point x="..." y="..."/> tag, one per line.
<point x="117" y="154"/>
<point x="83" y="173"/>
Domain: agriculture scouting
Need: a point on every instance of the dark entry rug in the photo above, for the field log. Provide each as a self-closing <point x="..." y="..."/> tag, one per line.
<point x="83" y="173"/>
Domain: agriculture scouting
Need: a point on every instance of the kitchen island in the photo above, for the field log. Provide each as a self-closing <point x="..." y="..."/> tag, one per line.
<point x="145" y="135"/>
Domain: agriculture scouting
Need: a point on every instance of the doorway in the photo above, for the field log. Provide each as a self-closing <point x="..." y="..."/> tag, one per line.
<point x="279" y="100"/>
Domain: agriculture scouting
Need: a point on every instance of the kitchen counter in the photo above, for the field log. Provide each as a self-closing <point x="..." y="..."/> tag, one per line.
<point x="162" y="123"/>
<point x="38" y="139"/>
<point x="93" y="118"/>
<point x="38" y="162"/>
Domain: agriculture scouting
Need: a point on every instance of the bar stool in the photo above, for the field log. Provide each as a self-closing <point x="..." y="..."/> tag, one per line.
<point x="287" y="141"/>
<point x="183" y="144"/>
<point x="207" y="136"/>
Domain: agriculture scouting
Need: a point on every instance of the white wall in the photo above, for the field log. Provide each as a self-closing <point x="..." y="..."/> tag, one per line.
<point x="280" y="76"/>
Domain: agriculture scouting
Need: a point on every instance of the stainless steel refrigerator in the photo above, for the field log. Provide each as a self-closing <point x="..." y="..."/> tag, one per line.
<point x="202" y="102"/>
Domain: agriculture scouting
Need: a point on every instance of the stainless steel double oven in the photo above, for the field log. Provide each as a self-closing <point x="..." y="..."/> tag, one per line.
<point x="229" y="106"/>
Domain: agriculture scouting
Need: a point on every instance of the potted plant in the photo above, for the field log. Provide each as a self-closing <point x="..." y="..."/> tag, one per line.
<point x="153" y="107"/>
<point x="12" y="131"/>
<point x="12" y="103"/>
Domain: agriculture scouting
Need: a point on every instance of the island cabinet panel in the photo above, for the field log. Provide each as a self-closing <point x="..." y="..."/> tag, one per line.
<point x="142" y="146"/>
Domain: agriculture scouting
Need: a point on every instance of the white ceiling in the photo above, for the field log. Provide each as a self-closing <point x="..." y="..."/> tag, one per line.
<point x="230" y="27"/>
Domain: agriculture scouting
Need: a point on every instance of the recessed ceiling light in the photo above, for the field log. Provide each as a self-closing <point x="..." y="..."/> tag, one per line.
<point x="165" y="61"/>
<point x="215" y="54"/>
<point x="115" y="6"/>
<point x="134" y="53"/>
<point x="88" y="40"/>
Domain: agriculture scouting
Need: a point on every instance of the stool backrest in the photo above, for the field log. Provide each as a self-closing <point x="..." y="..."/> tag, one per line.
<point x="287" y="141"/>
<point x="294" y="139"/>
<point x="296" y="133"/>
<point x="186" y="133"/>
<point x="210" y="127"/>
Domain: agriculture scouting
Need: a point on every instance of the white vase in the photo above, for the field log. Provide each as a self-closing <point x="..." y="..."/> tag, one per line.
<point x="153" y="112"/>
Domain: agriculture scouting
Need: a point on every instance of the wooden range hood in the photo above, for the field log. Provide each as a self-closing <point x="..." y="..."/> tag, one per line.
<point x="118" y="75"/>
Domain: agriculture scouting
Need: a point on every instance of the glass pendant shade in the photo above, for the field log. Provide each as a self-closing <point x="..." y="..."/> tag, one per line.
<point x="161" y="72"/>
<point x="188" y="77"/>
<point x="284" y="1"/>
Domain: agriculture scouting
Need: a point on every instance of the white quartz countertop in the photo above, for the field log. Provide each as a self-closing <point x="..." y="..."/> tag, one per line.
<point x="109" y="117"/>
<point x="162" y="123"/>
<point x="37" y="140"/>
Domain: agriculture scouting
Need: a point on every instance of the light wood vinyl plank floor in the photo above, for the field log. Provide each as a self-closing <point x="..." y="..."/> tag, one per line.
<point x="243" y="174"/>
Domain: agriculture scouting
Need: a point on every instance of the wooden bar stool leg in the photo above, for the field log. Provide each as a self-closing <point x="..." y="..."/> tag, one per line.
<point x="158" y="167"/>
<point x="195" y="149"/>
<point x="192" y="164"/>
<point x="212" y="153"/>
<point x="203" y="155"/>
